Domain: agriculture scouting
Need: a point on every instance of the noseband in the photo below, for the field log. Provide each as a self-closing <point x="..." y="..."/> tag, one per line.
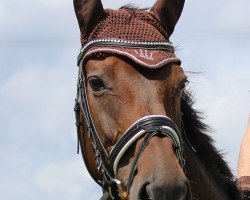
<point x="107" y="163"/>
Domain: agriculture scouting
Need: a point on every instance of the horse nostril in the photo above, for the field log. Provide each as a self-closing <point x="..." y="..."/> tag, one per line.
<point x="144" y="193"/>
<point x="154" y="191"/>
<point x="189" y="194"/>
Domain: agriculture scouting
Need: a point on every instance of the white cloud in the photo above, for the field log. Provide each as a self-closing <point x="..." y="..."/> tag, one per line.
<point x="32" y="93"/>
<point x="23" y="178"/>
<point x="62" y="181"/>
<point x="3" y="10"/>
<point x="235" y="14"/>
<point x="37" y="19"/>
<point x="222" y="91"/>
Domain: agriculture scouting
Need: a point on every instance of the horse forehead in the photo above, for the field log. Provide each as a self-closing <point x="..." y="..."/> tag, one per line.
<point x="110" y="64"/>
<point x="115" y="66"/>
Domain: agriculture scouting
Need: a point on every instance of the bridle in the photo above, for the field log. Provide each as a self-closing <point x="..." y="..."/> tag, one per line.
<point x="146" y="127"/>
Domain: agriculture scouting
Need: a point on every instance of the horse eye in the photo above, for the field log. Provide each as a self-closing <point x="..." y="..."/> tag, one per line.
<point x="96" y="84"/>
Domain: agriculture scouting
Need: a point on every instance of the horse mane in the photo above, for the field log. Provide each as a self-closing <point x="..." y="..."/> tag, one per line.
<point x="132" y="7"/>
<point x="211" y="158"/>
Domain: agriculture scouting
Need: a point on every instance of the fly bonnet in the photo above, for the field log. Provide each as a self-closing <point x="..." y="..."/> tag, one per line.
<point x="139" y="35"/>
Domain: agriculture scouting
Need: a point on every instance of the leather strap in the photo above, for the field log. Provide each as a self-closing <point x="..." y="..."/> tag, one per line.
<point x="113" y="42"/>
<point x="244" y="186"/>
<point x="246" y="195"/>
<point x="106" y="196"/>
<point x="137" y="156"/>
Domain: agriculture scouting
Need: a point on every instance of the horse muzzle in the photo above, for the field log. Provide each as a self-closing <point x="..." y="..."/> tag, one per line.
<point x="159" y="191"/>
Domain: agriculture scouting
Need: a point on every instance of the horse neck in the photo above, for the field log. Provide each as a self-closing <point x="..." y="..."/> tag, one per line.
<point x="202" y="183"/>
<point x="209" y="175"/>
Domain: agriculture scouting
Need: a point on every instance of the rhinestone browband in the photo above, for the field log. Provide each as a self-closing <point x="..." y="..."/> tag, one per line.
<point x="153" y="45"/>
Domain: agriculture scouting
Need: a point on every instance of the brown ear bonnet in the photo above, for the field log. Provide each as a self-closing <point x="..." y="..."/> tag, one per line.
<point x="142" y="36"/>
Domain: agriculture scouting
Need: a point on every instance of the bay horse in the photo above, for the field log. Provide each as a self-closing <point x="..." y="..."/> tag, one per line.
<point x="140" y="137"/>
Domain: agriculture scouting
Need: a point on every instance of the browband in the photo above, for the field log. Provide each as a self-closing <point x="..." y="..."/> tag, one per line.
<point x="114" y="42"/>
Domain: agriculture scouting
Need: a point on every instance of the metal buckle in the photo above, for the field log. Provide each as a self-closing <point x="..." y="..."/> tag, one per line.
<point x="246" y="194"/>
<point x="120" y="190"/>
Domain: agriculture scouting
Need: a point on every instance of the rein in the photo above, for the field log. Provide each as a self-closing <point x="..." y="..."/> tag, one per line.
<point x="107" y="163"/>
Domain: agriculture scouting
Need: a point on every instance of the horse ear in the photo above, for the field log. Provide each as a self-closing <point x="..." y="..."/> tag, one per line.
<point x="167" y="13"/>
<point x="88" y="13"/>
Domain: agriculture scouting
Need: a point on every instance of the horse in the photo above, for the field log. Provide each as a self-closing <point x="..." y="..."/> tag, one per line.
<point x="140" y="137"/>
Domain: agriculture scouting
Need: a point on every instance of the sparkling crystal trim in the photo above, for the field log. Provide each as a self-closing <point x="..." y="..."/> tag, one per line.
<point x="154" y="45"/>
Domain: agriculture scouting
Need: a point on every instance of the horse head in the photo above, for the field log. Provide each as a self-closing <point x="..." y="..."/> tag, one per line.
<point x="130" y="87"/>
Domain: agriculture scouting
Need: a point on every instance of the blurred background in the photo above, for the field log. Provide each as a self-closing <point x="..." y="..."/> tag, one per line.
<point x="39" y="42"/>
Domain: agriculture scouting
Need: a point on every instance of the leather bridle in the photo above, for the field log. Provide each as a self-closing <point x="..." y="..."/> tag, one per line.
<point x="107" y="163"/>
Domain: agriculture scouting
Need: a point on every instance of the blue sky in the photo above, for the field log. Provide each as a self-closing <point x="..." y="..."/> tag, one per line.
<point x="39" y="42"/>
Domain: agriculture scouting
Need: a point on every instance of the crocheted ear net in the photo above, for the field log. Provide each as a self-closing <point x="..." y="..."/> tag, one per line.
<point x="135" y="27"/>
